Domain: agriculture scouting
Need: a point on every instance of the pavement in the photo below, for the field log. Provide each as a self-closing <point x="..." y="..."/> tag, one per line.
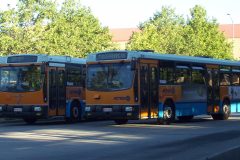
<point x="200" y="139"/>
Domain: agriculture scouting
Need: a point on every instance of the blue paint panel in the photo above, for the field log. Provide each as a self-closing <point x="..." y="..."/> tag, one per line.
<point x="83" y="104"/>
<point x="160" y="110"/>
<point x="186" y="108"/>
<point x="190" y="108"/>
<point x="235" y="107"/>
<point x="196" y="108"/>
<point x="68" y="107"/>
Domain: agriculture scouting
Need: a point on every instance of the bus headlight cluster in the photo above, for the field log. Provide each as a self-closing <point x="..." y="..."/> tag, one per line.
<point x="128" y="109"/>
<point x="37" y="109"/>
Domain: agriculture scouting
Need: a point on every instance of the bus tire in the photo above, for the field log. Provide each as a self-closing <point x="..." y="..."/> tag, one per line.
<point x="120" y="121"/>
<point x="225" y="113"/>
<point x="226" y="110"/>
<point x="168" y="113"/>
<point x="30" y="120"/>
<point x="185" y="118"/>
<point x="74" y="113"/>
<point x="216" y="116"/>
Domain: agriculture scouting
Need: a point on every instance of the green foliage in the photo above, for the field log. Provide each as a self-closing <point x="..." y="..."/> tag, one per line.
<point x="203" y="37"/>
<point x="42" y="27"/>
<point x="161" y="33"/>
<point x="167" y="32"/>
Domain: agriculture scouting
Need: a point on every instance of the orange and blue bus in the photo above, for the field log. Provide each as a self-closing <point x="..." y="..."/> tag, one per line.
<point x="127" y="85"/>
<point x="38" y="86"/>
<point x="1" y="60"/>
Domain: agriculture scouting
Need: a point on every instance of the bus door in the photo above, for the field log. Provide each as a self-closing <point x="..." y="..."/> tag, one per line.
<point x="57" y="91"/>
<point x="148" y="89"/>
<point x="213" y="95"/>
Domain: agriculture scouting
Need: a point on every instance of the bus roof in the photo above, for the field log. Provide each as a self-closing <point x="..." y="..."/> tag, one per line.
<point x="2" y="60"/>
<point x="129" y="55"/>
<point x="39" y="58"/>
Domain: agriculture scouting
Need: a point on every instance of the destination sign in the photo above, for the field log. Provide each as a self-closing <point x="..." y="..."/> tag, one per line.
<point x="111" y="56"/>
<point x="22" y="59"/>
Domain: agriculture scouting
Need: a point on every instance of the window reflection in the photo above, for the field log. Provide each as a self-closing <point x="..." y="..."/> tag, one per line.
<point x="20" y="79"/>
<point x="109" y="76"/>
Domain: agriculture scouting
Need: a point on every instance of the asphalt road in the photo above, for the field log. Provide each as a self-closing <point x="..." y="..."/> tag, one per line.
<point x="102" y="140"/>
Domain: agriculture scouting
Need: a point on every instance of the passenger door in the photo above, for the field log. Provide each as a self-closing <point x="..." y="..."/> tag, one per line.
<point x="148" y="89"/>
<point x="57" y="91"/>
<point x="213" y="95"/>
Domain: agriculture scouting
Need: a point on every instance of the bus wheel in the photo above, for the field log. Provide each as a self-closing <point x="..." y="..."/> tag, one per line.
<point x="120" y="121"/>
<point x="226" y="111"/>
<point x="216" y="116"/>
<point x="30" y="120"/>
<point x="74" y="113"/>
<point x="185" y="118"/>
<point x="168" y="113"/>
<point x="225" y="114"/>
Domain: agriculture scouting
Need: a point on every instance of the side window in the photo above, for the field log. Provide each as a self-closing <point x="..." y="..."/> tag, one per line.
<point x="166" y="75"/>
<point x="224" y="79"/>
<point x="235" y="78"/>
<point x="198" y="76"/>
<point x="182" y="75"/>
<point x="225" y="76"/>
<point x="74" y="76"/>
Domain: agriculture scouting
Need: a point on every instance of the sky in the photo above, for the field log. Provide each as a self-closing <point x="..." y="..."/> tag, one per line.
<point x="129" y="13"/>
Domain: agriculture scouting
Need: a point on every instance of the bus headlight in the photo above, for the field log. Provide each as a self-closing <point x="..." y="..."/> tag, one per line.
<point x="128" y="109"/>
<point x="87" y="109"/>
<point x="37" y="109"/>
<point x="1" y="108"/>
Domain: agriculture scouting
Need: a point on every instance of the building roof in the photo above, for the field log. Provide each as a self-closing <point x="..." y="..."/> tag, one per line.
<point x="124" y="34"/>
<point x="227" y="29"/>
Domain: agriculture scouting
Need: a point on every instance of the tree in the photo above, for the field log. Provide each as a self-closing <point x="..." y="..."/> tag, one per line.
<point x="76" y="32"/>
<point x="162" y="33"/>
<point x="203" y="38"/>
<point x="22" y="28"/>
<point x="39" y="26"/>
<point x="167" y="32"/>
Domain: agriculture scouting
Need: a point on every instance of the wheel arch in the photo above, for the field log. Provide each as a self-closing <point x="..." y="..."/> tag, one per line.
<point x="226" y="99"/>
<point x="169" y="100"/>
<point x="69" y="105"/>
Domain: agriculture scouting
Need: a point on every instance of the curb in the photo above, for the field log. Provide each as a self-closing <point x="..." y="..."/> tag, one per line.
<point x="9" y="120"/>
<point x="232" y="153"/>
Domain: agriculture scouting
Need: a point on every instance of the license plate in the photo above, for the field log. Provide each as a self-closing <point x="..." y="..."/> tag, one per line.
<point x="107" y="109"/>
<point x="17" y="109"/>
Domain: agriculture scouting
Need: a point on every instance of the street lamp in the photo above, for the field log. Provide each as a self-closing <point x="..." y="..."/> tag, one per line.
<point x="232" y="27"/>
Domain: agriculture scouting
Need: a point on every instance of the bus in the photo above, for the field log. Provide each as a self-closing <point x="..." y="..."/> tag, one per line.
<point x="130" y="85"/>
<point x="39" y="86"/>
<point x="1" y="60"/>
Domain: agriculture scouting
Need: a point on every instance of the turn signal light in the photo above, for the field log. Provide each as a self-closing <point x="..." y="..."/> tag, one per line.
<point x="216" y="109"/>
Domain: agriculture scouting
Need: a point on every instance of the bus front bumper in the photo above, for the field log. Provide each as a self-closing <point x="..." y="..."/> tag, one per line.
<point x="111" y="112"/>
<point x="23" y="111"/>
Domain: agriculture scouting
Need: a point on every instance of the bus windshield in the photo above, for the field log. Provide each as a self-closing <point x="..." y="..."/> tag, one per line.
<point x="20" y="79"/>
<point x="109" y="76"/>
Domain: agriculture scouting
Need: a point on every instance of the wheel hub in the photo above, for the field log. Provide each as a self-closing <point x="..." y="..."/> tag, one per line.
<point x="75" y="112"/>
<point x="225" y="108"/>
<point x="168" y="112"/>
